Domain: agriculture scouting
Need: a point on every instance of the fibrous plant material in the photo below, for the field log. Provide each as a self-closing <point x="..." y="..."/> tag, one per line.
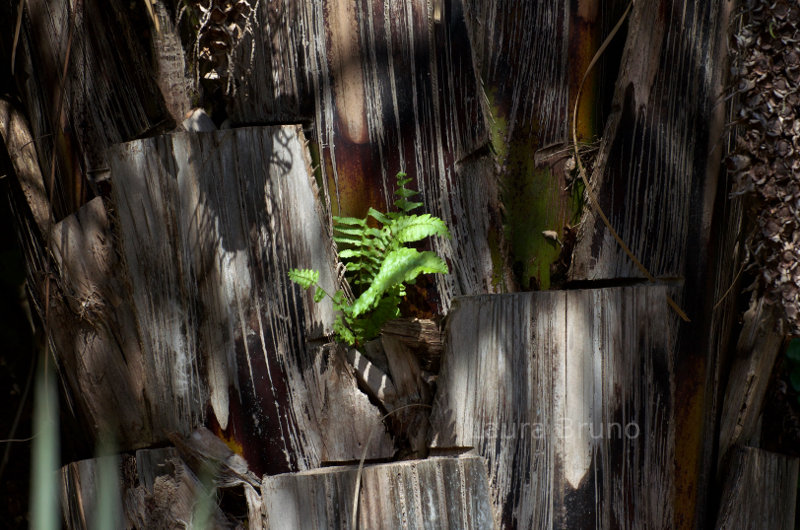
<point x="221" y="26"/>
<point x="766" y="162"/>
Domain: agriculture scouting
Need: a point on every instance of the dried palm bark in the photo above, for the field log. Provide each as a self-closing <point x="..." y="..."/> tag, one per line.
<point x="766" y="161"/>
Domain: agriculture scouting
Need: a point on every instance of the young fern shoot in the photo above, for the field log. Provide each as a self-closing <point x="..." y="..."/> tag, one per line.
<point x="379" y="264"/>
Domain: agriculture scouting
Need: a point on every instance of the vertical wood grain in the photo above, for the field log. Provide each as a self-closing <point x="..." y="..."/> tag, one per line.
<point x="431" y="493"/>
<point x="388" y="87"/>
<point x="658" y="178"/>
<point x="569" y="397"/>
<point x="109" y="95"/>
<point x="760" y="491"/>
<point x="95" y="334"/>
<point x="398" y="91"/>
<point x="209" y="226"/>
<point x="654" y="175"/>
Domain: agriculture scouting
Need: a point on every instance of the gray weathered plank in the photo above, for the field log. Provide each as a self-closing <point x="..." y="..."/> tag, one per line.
<point x="110" y="93"/>
<point x="21" y="149"/>
<point x="209" y="225"/>
<point x="760" y="491"/>
<point x="526" y="71"/>
<point x="657" y="177"/>
<point x="433" y="493"/>
<point x="569" y="397"/>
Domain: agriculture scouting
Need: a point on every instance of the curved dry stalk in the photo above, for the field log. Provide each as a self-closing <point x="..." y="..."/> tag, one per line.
<point x="582" y="171"/>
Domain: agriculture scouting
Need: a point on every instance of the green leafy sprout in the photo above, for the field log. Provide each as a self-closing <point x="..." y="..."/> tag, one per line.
<point x="379" y="264"/>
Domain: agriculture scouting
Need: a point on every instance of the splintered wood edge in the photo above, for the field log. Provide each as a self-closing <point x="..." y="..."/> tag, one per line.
<point x="759" y="344"/>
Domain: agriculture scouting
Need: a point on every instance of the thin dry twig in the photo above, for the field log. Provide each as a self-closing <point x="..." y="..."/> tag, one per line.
<point x="17" y="28"/>
<point x="582" y="171"/>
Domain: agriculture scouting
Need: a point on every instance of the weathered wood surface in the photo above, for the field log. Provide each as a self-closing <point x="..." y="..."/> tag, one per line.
<point x="209" y="225"/>
<point x="154" y="488"/>
<point x="569" y="397"/>
<point x="433" y="493"/>
<point x="760" y="342"/>
<point x="760" y="491"/>
<point x="388" y="87"/>
<point x="81" y="490"/>
<point x="173" y="77"/>
<point x="530" y="57"/>
<point x="410" y="420"/>
<point x="657" y="177"/>
<point x="423" y="336"/>
<point x="658" y="188"/>
<point x="391" y="373"/>
<point x="273" y="67"/>
<point x="95" y="335"/>
<point x="110" y="93"/>
<point x="207" y="455"/>
<point x="21" y="148"/>
<point x="724" y="284"/>
<point x="397" y="91"/>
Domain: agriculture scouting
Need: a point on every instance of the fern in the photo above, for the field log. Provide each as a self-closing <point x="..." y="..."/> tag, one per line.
<point x="305" y="278"/>
<point x="399" y="266"/>
<point x="378" y="264"/>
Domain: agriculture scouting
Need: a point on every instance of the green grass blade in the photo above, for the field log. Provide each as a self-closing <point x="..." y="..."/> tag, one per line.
<point x="109" y="507"/>
<point x="44" y="507"/>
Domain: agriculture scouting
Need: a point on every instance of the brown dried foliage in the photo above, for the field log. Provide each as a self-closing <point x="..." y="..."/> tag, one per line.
<point x="766" y="162"/>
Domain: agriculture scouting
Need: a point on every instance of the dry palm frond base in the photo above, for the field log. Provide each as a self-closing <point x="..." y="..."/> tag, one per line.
<point x="766" y="162"/>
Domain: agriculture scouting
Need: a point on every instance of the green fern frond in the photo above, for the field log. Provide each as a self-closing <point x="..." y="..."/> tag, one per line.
<point x="355" y="231"/>
<point x="355" y="221"/>
<point x="352" y="241"/>
<point x="404" y="194"/>
<point x="305" y="278"/>
<point x="388" y="308"/>
<point x="319" y="294"/>
<point x="411" y="228"/>
<point x="400" y="265"/>
<point x="343" y="332"/>
<point x="378" y="264"/>
<point x="406" y="206"/>
<point x="382" y="218"/>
